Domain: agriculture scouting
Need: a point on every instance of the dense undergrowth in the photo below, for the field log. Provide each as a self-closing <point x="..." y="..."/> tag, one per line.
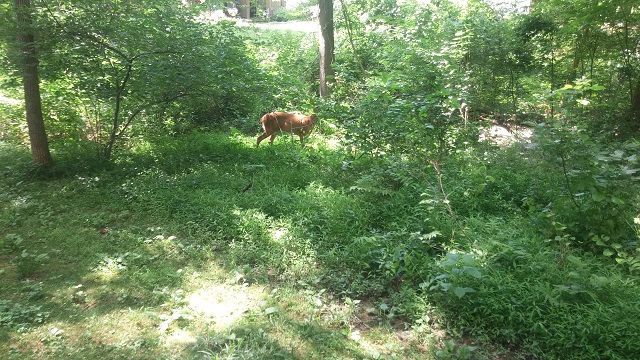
<point x="488" y="264"/>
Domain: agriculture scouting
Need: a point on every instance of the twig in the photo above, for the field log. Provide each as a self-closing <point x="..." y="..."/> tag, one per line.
<point x="447" y="205"/>
<point x="568" y="184"/>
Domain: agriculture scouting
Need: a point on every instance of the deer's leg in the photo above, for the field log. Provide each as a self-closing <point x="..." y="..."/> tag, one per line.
<point x="272" y="138"/>
<point x="262" y="137"/>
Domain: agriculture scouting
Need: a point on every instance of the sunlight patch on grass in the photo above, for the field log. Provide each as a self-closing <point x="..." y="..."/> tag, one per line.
<point x="384" y="341"/>
<point x="180" y="338"/>
<point x="224" y="305"/>
<point x="333" y="144"/>
<point x="109" y="268"/>
<point x="212" y="304"/>
<point x="277" y="234"/>
<point x="20" y="202"/>
<point x="9" y="101"/>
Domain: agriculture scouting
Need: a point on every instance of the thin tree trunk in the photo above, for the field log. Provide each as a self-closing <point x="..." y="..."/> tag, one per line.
<point x="347" y="23"/>
<point x="635" y="107"/>
<point x="37" y="134"/>
<point x="326" y="46"/>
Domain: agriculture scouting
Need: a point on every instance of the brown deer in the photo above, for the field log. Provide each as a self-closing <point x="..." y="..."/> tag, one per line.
<point x="297" y="124"/>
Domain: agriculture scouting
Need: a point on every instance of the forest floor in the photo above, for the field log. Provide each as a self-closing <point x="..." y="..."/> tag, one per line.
<point x="160" y="256"/>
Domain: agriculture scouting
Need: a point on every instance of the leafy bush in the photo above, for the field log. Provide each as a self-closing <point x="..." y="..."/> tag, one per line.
<point x="287" y="63"/>
<point x="524" y="301"/>
<point x="12" y="130"/>
<point x="284" y="14"/>
<point x="594" y="203"/>
<point x="15" y="315"/>
<point x="167" y="73"/>
<point x="522" y="287"/>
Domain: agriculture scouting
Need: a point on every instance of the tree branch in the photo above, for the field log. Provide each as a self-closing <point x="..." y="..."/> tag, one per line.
<point x="138" y="111"/>
<point x="350" y="35"/>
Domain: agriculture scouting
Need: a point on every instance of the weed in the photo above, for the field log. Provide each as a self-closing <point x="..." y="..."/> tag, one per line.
<point x="21" y="317"/>
<point x="450" y="350"/>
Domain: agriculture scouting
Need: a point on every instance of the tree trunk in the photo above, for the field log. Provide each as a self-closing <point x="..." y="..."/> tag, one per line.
<point x="326" y="46"/>
<point x="635" y="108"/>
<point x="244" y="7"/>
<point x="37" y="133"/>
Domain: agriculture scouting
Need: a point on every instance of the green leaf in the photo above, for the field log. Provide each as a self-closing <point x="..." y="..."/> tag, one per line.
<point x="617" y="201"/>
<point x="473" y="272"/>
<point x="607" y="252"/>
<point x="432" y="235"/>
<point x="445" y="286"/>
<point x="449" y="262"/>
<point x="618" y="154"/>
<point x="270" y="310"/>
<point x="460" y="291"/>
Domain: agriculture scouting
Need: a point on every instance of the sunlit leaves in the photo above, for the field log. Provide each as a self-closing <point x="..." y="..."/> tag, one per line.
<point x="457" y="274"/>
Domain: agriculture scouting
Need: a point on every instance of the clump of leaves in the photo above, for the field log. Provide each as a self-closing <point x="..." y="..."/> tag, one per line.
<point x="16" y="315"/>
<point x="458" y="268"/>
<point x="28" y="262"/>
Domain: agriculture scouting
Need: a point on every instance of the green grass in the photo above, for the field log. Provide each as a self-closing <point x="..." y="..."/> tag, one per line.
<point x="160" y="255"/>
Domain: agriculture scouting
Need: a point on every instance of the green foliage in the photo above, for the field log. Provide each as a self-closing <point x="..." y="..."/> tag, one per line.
<point x="301" y="12"/>
<point x="409" y="97"/>
<point x="457" y="267"/>
<point x="110" y="68"/>
<point x="451" y="351"/>
<point x="572" y="296"/>
<point x="360" y="229"/>
<point x="588" y="203"/>
<point x="21" y="316"/>
<point x="546" y="278"/>
<point x="528" y="250"/>
<point x="287" y="62"/>
<point x="12" y="131"/>
<point x="27" y="261"/>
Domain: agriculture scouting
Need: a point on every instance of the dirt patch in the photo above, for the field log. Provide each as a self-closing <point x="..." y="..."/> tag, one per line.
<point x="504" y="136"/>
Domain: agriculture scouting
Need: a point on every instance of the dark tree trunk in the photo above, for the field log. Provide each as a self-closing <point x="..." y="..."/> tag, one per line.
<point x="37" y="134"/>
<point x="635" y="107"/>
<point x="326" y="46"/>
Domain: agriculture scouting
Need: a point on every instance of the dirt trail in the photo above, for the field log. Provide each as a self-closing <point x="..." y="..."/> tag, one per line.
<point x="302" y="26"/>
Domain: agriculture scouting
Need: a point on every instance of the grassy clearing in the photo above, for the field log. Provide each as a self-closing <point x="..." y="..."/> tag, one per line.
<point x="160" y="255"/>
